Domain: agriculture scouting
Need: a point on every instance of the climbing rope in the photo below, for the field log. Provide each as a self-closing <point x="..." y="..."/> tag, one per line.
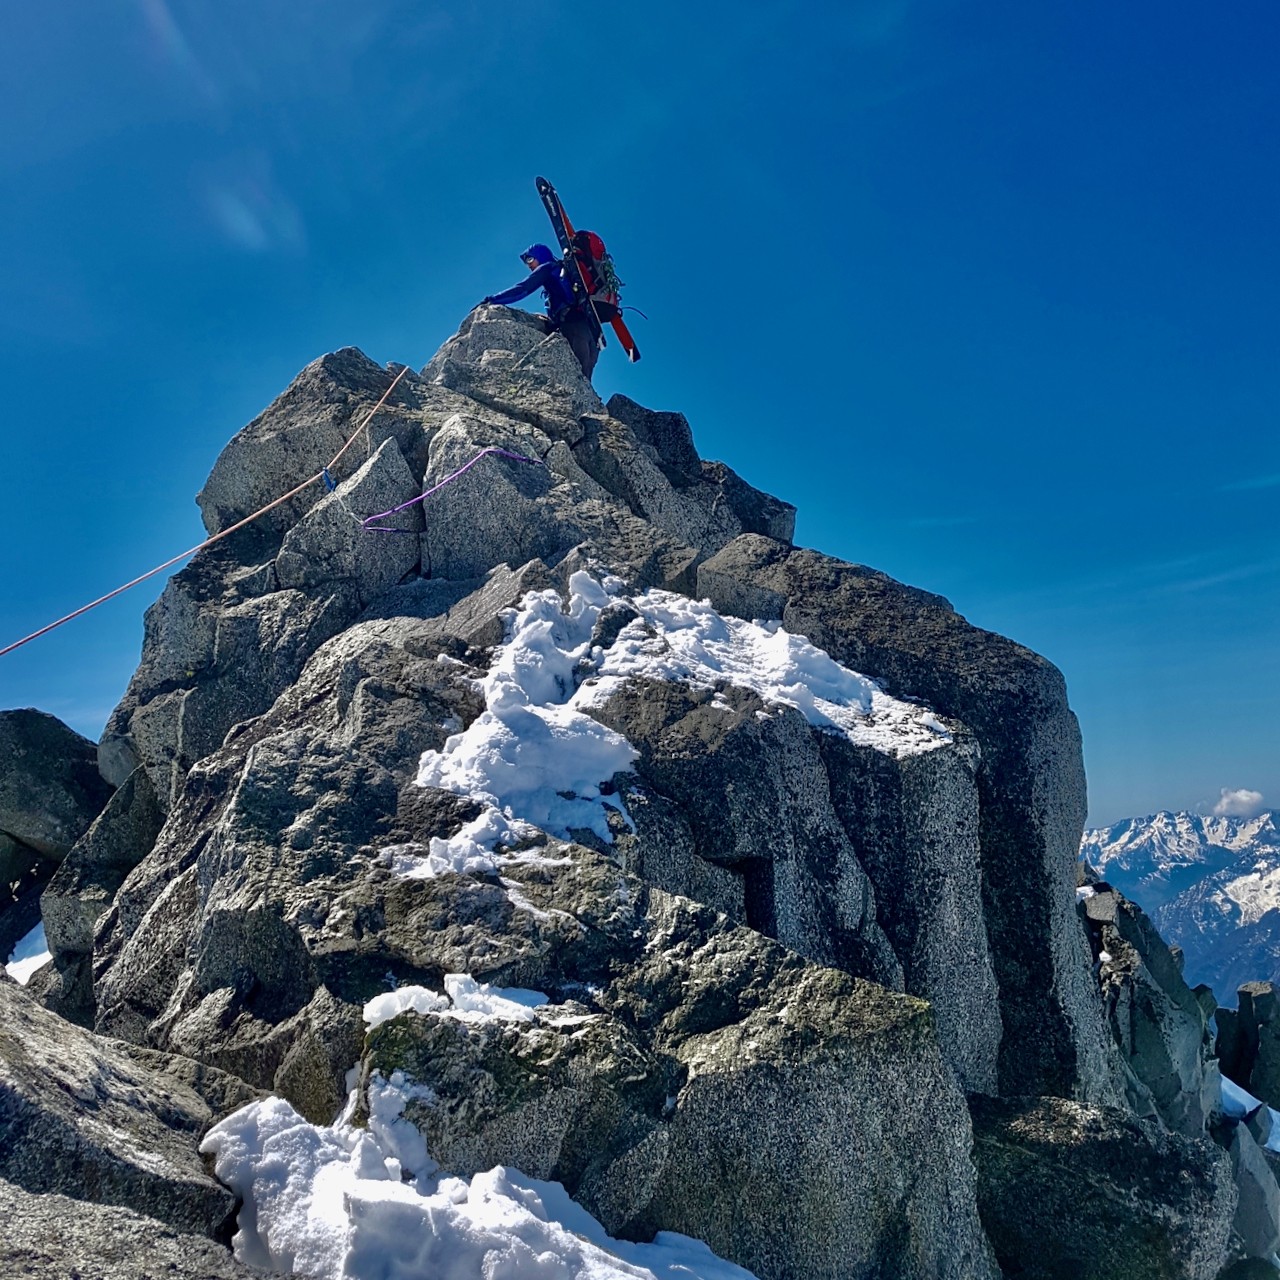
<point x="368" y="521"/>
<point x="321" y="475"/>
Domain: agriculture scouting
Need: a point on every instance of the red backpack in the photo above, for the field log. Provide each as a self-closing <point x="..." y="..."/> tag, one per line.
<point x="596" y="264"/>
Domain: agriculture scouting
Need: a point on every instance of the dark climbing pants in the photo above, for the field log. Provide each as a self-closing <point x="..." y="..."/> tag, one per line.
<point x="577" y="332"/>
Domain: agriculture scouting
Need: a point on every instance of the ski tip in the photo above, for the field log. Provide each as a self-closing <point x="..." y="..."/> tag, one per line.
<point x="634" y="355"/>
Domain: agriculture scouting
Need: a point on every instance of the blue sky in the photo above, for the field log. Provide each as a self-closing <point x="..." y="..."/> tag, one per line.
<point x="987" y="291"/>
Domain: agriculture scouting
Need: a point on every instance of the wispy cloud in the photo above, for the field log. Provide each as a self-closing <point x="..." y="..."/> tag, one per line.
<point x="248" y="206"/>
<point x="1252" y="482"/>
<point x="1204" y="582"/>
<point x="171" y="47"/>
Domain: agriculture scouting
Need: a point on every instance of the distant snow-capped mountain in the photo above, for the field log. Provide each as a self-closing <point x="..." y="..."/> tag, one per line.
<point x="1210" y="884"/>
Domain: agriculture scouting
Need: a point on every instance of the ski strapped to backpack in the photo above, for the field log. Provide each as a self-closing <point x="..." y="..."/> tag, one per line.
<point x="590" y="269"/>
<point x="595" y="265"/>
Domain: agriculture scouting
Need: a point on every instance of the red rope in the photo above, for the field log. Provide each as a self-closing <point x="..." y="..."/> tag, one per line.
<point x="217" y="537"/>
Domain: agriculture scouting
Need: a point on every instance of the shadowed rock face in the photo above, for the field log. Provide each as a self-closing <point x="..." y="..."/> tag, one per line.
<point x="781" y="973"/>
<point x="83" y="1118"/>
<point x="51" y="1237"/>
<point x="1248" y="1043"/>
<point x="50" y="787"/>
<point x="1155" y="1019"/>
<point x="50" y="791"/>
<point x="1031" y="794"/>
<point x="1069" y="1192"/>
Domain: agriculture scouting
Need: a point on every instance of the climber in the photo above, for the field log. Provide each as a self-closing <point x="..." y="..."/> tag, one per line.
<point x="564" y="312"/>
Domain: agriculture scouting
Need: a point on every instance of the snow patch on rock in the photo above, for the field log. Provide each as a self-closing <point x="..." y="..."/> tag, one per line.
<point x="537" y="759"/>
<point x="465" y="999"/>
<point x="371" y="1204"/>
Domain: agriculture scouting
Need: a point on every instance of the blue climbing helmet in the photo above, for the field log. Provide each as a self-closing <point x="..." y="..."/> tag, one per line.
<point x="539" y="253"/>
<point x="559" y="291"/>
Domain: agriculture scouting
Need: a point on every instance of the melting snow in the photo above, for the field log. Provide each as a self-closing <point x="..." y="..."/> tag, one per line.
<point x="29" y="955"/>
<point x="342" y="1203"/>
<point x="479" y="1002"/>
<point x="391" y="1004"/>
<point x="467" y="1000"/>
<point x="538" y="761"/>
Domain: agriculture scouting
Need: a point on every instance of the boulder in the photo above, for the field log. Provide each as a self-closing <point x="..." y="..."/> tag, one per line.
<point x="667" y="440"/>
<point x="718" y="1061"/>
<point x="50" y="787"/>
<point x="303" y="428"/>
<point x="1256" y="1225"/>
<point x="90" y="875"/>
<point x="913" y="823"/>
<point x="504" y="357"/>
<point x="1071" y="1192"/>
<point x="507" y="512"/>
<point x="53" y="1237"/>
<point x="329" y="544"/>
<point x="82" y="889"/>
<point x="703" y="514"/>
<point x="1031" y="790"/>
<point x="755" y="794"/>
<point x="853" y="856"/>
<point x="465" y="615"/>
<point x="82" y="1118"/>
<point x="1248" y="1042"/>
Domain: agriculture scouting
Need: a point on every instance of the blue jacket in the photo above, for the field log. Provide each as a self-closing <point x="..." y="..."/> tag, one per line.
<point x="548" y="276"/>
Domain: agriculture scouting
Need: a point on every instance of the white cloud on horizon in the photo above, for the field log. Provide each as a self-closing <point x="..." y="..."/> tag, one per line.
<point x="1240" y="803"/>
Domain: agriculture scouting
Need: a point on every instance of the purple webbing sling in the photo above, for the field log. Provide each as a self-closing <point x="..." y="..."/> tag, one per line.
<point x="368" y="521"/>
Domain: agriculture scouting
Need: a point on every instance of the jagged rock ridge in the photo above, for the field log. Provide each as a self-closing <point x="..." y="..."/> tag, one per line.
<point x="1210" y="883"/>
<point x="775" y="956"/>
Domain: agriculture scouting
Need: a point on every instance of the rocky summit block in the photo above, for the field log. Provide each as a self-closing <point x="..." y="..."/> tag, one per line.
<point x="234" y="628"/>
<point x="766" y="982"/>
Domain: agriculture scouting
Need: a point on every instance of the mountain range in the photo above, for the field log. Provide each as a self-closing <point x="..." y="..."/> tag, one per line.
<point x="1211" y="884"/>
